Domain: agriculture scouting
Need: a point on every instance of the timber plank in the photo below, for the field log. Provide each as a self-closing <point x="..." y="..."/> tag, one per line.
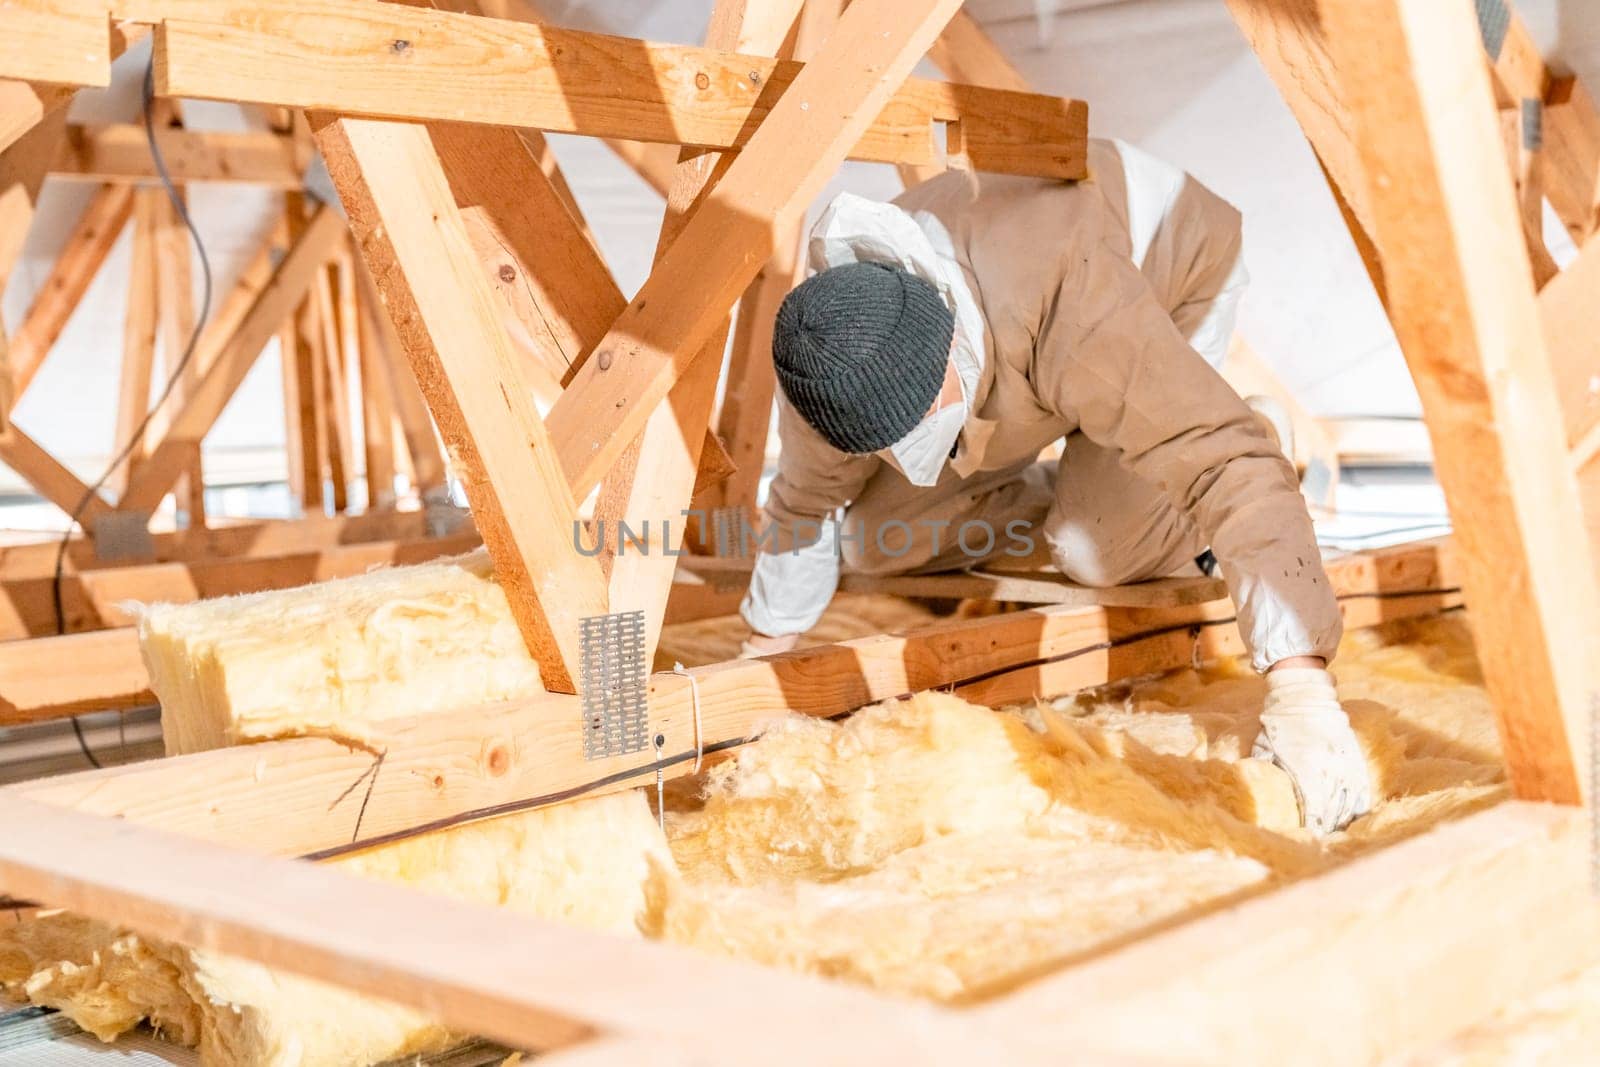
<point x="293" y="796"/>
<point x="1465" y="917"/>
<point x="100" y="599"/>
<point x="412" y="236"/>
<point x="528" y="982"/>
<point x="1462" y="302"/>
<point x="69" y="278"/>
<point x="121" y="153"/>
<point x="64" y="41"/>
<point x="185" y="421"/>
<point x="456" y="67"/>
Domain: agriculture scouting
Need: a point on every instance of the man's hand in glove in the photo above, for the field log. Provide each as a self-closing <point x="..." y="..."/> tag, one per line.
<point x="1307" y="733"/>
<point x="757" y="645"/>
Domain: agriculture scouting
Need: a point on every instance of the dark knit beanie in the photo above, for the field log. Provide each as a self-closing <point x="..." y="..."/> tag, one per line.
<point x="861" y="351"/>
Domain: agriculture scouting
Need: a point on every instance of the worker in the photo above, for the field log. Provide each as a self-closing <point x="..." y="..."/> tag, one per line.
<point x="950" y="336"/>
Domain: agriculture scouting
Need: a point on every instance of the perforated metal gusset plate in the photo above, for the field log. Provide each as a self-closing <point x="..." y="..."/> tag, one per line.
<point x="614" y="675"/>
<point x="1532" y="124"/>
<point x="728" y="531"/>
<point x="1493" y="18"/>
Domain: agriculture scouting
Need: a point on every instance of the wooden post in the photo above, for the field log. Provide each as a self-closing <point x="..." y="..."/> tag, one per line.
<point x="175" y="289"/>
<point x="412" y="236"/>
<point x="1462" y="301"/>
<point x="138" y="333"/>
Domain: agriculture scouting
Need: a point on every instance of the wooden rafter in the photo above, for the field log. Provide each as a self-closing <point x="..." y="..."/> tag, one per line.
<point x="653" y="480"/>
<point x="183" y="423"/>
<point x="50" y="477"/>
<point x="1462" y="302"/>
<point x="764" y="191"/>
<point x="411" y="233"/>
<point x="75" y="268"/>
<point x="139" y="326"/>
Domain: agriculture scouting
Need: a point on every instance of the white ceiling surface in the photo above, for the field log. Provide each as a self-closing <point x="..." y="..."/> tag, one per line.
<point x="1173" y="76"/>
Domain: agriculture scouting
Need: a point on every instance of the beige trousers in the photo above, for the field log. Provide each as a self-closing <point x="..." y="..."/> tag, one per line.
<point x="1103" y="524"/>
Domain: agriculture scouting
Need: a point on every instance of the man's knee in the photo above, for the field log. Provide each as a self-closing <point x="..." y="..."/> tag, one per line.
<point x="1096" y="563"/>
<point x="878" y="547"/>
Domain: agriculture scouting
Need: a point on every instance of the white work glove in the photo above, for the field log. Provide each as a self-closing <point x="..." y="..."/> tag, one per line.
<point x="1306" y="732"/>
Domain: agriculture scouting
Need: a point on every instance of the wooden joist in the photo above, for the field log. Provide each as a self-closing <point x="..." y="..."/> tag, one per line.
<point x="53" y="677"/>
<point x="412" y="235"/>
<point x="1462" y="302"/>
<point x="121" y="153"/>
<point x="225" y="540"/>
<point x="532" y="983"/>
<point x="392" y="61"/>
<point x="99" y="599"/>
<point x="1400" y="948"/>
<point x="294" y="796"/>
<point x="50" y="477"/>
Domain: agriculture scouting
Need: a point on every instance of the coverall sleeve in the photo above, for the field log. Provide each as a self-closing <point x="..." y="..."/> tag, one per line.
<point x="797" y="567"/>
<point x="1109" y="358"/>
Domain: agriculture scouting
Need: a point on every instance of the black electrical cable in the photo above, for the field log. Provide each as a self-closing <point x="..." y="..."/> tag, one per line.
<point x="166" y="390"/>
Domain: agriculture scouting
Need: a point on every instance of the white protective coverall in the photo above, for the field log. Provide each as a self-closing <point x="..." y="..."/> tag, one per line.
<point x="1094" y="311"/>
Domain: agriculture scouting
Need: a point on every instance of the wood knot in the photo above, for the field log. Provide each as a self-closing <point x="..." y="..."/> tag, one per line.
<point x="399" y="46"/>
<point x="438" y="781"/>
<point x="604" y="359"/>
<point x="498" y="761"/>
<point x="507" y="272"/>
<point x="701" y="81"/>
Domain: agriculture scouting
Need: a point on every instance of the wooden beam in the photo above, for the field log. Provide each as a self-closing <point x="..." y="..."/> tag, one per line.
<point x="22" y="172"/>
<point x="121" y="153"/>
<point x="335" y="399"/>
<point x="750" y="386"/>
<point x="965" y="53"/>
<point x="187" y="422"/>
<point x="653" y="480"/>
<point x="1019" y="587"/>
<point x="1570" y="308"/>
<point x="421" y="452"/>
<point x="99" y="599"/>
<point x="65" y="41"/>
<point x="1572" y="156"/>
<point x="138" y="332"/>
<point x="528" y="982"/>
<point x="293" y="796"/>
<point x="49" y="477"/>
<point x="226" y="540"/>
<point x="175" y="289"/>
<point x="344" y="57"/>
<point x="766" y="189"/>
<point x="1571" y="126"/>
<point x="54" y="677"/>
<point x="1489" y="908"/>
<point x="75" y="268"/>
<point x="412" y="236"/>
<point x="1462" y="302"/>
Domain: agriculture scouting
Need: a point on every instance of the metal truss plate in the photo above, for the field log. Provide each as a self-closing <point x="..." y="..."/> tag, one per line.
<point x="614" y="676"/>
